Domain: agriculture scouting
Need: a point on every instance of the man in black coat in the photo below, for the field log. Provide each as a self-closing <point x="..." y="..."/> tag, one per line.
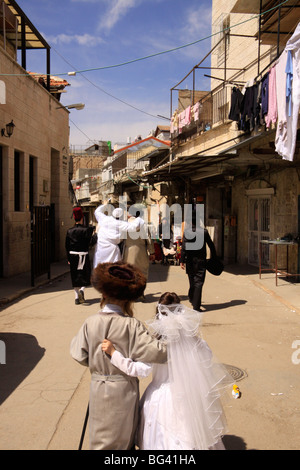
<point x="78" y="241"/>
<point x="193" y="259"/>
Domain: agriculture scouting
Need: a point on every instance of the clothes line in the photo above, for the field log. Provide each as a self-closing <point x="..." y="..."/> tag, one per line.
<point x="273" y="100"/>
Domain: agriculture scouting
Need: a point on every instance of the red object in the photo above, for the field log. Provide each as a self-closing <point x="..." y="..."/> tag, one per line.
<point x="158" y="252"/>
<point x="77" y="213"/>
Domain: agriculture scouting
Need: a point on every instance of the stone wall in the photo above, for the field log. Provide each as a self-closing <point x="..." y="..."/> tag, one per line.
<point x="42" y="133"/>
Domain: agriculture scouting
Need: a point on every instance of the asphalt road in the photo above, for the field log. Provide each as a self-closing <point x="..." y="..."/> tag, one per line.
<point x="250" y="324"/>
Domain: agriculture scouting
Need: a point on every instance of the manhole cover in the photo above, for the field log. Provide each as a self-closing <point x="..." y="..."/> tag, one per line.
<point x="236" y="373"/>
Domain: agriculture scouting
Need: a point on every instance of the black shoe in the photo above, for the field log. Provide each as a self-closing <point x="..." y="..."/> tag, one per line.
<point x="77" y="302"/>
<point x="81" y="297"/>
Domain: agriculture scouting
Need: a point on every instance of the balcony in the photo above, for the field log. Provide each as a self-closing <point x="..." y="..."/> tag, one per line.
<point x="199" y="113"/>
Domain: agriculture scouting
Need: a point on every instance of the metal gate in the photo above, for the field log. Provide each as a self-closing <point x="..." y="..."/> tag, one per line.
<point x="259" y="229"/>
<point x="1" y="215"/>
<point x="40" y="242"/>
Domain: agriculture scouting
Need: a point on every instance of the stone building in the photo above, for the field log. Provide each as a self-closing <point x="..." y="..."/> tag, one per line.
<point x="86" y="175"/>
<point x="34" y="161"/>
<point x="250" y="192"/>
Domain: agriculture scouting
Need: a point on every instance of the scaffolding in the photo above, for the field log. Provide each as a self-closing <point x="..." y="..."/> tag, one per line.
<point x="276" y="22"/>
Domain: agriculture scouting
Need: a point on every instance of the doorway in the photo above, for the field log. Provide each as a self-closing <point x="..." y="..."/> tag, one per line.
<point x="259" y="222"/>
<point x="1" y="214"/>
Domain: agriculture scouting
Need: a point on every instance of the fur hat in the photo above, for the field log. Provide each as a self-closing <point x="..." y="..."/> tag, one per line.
<point x="119" y="280"/>
<point x="77" y="214"/>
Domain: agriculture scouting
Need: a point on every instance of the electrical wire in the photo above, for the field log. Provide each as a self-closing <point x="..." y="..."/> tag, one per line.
<point x="106" y="92"/>
<point x="156" y="54"/>
<point x="150" y="56"/>
<point x="89" y="139"/>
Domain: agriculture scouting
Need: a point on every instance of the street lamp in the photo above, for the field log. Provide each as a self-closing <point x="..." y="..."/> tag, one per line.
<point x="77" y="106"/>
<point x="9" y="128"/>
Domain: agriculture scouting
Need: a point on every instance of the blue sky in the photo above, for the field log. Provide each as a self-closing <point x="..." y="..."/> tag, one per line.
<point x="89" y="34"/>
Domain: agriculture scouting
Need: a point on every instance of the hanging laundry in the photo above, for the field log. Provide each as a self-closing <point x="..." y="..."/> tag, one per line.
<point x="257" y="106"/>
<point x="286" y="146"/>
<point x="174" y="122"/>
<point x="289" y="81"/>
<point x="281" y="131"/>
<point x="181" y="121"/>
<point x="249" y="109"/>
<point x="265" y="95"/>
<point x="184" y="119"/>
<point x="196" y="110"/>
<point x="271" y="117"/>
<point x="236" y="104"/>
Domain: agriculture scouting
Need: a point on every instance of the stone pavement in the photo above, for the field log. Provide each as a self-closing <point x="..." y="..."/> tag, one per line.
<point x="250" y="324"/>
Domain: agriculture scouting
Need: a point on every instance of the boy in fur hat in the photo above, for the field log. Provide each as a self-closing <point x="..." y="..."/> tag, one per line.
<point x="114" y="396"/>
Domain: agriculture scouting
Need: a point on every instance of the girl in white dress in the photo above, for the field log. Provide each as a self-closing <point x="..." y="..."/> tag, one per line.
<point x="181" y="408"/>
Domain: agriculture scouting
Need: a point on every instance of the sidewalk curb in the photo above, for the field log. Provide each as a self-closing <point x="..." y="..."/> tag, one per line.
<point x="4" y="301"/>
<point x="276" y="296"/>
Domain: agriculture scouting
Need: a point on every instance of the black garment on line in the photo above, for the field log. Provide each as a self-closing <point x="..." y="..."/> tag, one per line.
<point x="236" y="103"/>
<point x="250" y="109"/>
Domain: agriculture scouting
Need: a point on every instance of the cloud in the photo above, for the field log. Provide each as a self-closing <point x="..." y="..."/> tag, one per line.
<point x="80" y="39"/>
<point x="198" y="22"/>
<point x="117" y="10"/>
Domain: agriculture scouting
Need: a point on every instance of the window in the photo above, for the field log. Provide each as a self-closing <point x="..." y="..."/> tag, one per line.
<point x="17" y="180"/>
<point x="220" y="30"/>
<point x="32" y="182"/>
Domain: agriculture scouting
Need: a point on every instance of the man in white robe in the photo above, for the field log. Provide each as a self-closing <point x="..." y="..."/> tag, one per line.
<point x="112" y="230"/>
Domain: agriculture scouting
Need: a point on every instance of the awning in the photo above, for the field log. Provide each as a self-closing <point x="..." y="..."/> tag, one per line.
<point x="195" y="165"/>
<point x="33" y="39"/>
<point x="203" y="165"/>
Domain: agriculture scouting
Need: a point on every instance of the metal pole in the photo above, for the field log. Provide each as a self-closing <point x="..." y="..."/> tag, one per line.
<point x="84" y="428"/>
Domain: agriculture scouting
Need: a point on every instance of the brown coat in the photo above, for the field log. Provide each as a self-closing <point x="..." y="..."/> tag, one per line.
<point x="138" y="249"/>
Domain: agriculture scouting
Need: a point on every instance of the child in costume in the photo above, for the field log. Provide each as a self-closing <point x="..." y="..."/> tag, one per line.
<point x="181" y="408"/>
<point x="114" y="396"/>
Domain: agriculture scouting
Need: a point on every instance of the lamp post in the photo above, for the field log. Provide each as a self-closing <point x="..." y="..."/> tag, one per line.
<point x="77" y="106"/>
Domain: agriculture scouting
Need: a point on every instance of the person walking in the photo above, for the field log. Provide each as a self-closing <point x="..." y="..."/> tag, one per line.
<point x="166" y="236"/>
<point x="181" y="409"/>
<point x="138" y="247"/>
<point x="194" y="262"/>
<point x="77" y="244"/>
<point x="114" y="396"/>
<point x="111" y="231"/>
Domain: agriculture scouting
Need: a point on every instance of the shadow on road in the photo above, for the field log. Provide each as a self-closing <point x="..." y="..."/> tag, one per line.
<point x="22" y="355"/>
<point x="232" y="303"/>
<point x="232" y="442"/>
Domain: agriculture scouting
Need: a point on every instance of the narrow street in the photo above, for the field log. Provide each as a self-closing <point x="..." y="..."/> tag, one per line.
<point x="250" y="325"/>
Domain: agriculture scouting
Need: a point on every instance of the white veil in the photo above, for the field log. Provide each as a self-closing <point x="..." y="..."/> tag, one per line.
<point x="196" y="381"/>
